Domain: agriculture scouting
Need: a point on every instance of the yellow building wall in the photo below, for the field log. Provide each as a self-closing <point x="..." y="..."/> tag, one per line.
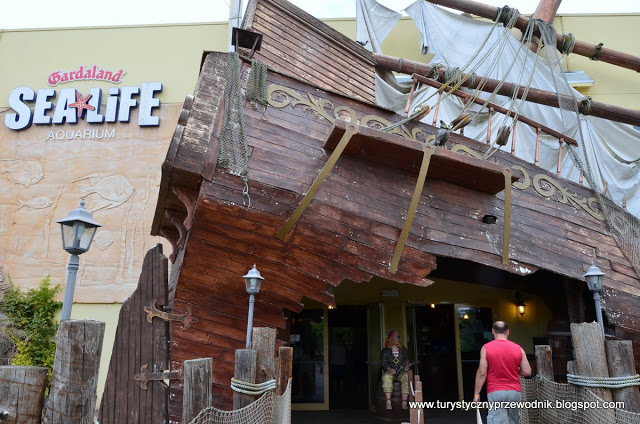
<point x="613" y="84"/>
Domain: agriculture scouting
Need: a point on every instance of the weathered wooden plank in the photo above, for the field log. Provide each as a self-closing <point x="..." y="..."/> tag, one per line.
<point x="274" y="58"/>
<point x="621" y="364"/>
<point x="591" y="359"/>
<point x="72" y="396"/>
<point x="139" y="343"/>
<point x="196" y="394"/>
<point x="284" y="369"/>
<point x="263" y="340"/>
<point x="273" y="300"/>
<point x="316" y="46"/>
<point x="305" y="54"/>
<point x="544" y="364"/>
<point x="246" y="369"/>
<point x="22" y="391"/>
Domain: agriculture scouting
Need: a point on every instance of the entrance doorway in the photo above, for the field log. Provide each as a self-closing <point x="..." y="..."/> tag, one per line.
<point x="330" y="358"/>
<point x="348" y="378"/>
<point x="436" y="352"/>
<point x="474" y="326"/>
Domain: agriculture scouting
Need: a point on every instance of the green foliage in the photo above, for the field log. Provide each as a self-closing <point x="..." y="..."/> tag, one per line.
<point x="31" y="314"/>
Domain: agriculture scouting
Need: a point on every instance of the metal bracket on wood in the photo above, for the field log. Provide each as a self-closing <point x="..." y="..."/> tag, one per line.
<point x="349" y="132"/>
<point x="428" y="151"/>
<point x="145" y="376"/>
<point x="186" y="319"/>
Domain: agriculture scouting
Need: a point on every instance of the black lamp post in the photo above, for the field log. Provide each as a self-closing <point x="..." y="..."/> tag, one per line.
<point x="78" y="229"/>
<point x="252" y="281"/>
<point x="595" y="282"/>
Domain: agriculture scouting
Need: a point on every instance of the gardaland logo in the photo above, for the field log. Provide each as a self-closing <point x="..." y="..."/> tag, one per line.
<point x="85" y="73"/>
<point x="72" y="106"/>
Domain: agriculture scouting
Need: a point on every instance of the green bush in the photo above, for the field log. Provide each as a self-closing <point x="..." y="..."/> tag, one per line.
<point x="31" y="314"/>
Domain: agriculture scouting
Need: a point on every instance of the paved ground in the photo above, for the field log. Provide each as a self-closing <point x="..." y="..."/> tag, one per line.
<point x="344" y="416"/>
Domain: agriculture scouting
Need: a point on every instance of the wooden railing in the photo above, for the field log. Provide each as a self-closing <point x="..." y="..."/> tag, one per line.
<point x="539" y="128"/>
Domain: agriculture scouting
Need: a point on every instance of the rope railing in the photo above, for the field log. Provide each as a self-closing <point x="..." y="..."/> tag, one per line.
<point x="554" y="403"/>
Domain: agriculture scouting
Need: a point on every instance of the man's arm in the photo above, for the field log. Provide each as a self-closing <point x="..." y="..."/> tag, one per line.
<point x="481" y="374"/>
<point x="525" y="367"/>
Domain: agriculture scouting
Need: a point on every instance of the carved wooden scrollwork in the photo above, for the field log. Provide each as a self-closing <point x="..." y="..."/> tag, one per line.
<point x="189" y="201"/>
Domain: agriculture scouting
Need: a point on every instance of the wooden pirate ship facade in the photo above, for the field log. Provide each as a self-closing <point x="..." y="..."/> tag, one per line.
<point x="330" y="197"/>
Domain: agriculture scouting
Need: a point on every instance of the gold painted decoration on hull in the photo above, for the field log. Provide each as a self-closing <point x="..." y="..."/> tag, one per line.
<point x="280" y="97"/>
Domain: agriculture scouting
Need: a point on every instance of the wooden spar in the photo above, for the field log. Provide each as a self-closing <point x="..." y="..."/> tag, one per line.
<point x="494" y="107"/>
<point x="545" y="12"/>
<point x="597" y="109"/>
<point x="581" y="48"/>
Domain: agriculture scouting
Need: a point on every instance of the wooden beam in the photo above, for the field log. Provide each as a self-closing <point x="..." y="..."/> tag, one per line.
<point x="581" y="48"/>
<point x="534" y="95"/>
<point x="395" y="151"/>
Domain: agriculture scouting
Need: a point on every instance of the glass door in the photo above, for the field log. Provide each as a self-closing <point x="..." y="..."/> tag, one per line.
<point x="310" y="379"/>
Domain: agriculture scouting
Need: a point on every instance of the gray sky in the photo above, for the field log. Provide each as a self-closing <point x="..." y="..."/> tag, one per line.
<point x="15" y="14"/>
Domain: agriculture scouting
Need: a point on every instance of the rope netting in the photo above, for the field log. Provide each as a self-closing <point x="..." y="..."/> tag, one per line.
<point x="568" y="404"/>
<point x="268" y="409"/>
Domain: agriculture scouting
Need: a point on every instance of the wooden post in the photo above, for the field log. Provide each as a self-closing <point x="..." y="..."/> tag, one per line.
<point x="285" y="364"/>
<point x="245" y="370"/>
<point x="264" y="341"/>
<point x="22" y="393"/>
<point x="72" y="397"/>
<point x="543" y="362"/>
<point x="591" y="359"/>
<point x="196" y="395"/>
<point x="416" y="415"/>
<point x="621" y="364"/>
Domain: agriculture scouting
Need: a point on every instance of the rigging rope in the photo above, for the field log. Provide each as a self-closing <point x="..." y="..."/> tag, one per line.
<point x="252" y="389"/>
<point x="606" y="382"/>
<point x="568" y="43"/>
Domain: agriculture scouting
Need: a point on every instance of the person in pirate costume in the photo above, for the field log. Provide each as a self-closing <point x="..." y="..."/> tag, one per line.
<point x="394" y="360"/>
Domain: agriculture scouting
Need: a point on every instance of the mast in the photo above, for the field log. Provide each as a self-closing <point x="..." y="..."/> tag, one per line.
<point x="581" y="48"/>
<point x="545" y="12"/>
<point x="600" y="110"/>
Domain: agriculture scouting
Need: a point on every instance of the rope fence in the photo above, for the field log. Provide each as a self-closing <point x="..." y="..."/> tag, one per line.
<point x="568" y="404"/>
<point x="268" y="409"/>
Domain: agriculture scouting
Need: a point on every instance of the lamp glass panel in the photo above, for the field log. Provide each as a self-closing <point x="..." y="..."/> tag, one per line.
<point x="87" y="236"/>
<point x="67" y="235"/>
<point x="521" y="309"/>
<point x="594" y="282"/>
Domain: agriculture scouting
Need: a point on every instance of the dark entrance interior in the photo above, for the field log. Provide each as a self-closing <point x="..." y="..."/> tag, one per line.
<point x="348" y="358"/>
<point x="436" y="347"/>
<point x="475" y="330"/>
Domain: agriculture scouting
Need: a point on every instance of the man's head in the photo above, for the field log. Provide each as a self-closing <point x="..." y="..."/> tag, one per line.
<point x="500" y="330"/>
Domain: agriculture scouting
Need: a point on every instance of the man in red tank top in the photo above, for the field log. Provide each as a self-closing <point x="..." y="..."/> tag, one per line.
<point x="501" y="364"/>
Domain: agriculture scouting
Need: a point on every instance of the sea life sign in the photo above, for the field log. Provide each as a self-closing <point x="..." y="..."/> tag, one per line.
<point x="50" y="106"/>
